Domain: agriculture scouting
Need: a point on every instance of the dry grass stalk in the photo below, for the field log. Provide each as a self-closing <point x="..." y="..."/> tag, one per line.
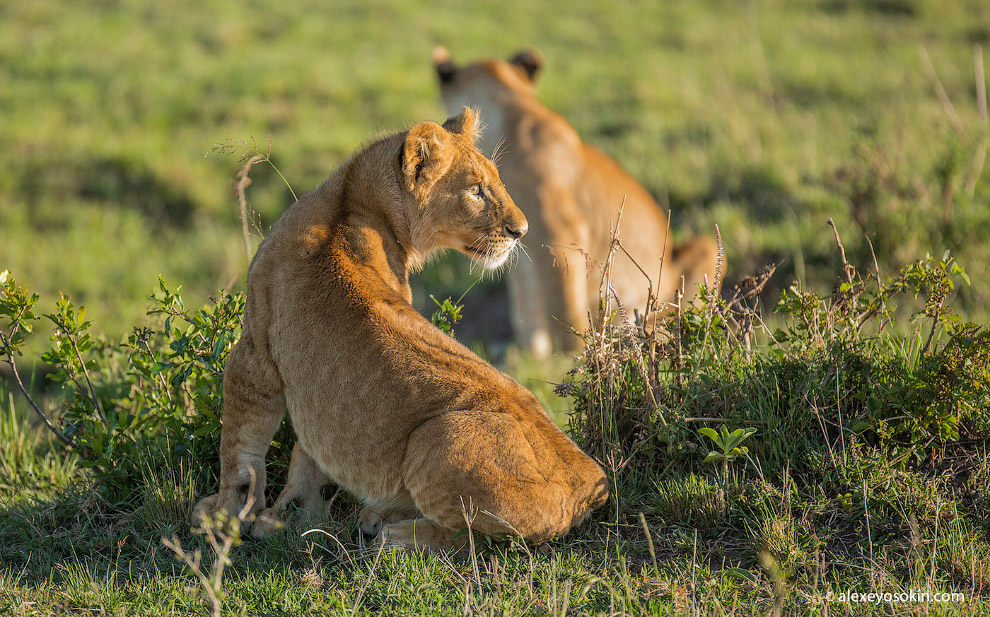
<point x="606" y="281"/>
<point x="943" y="97"/>
<point x="848" y="270"/>
<point x="470" y="512"/>
<point x="221" y="540"/>
<point x="244" y="181"/>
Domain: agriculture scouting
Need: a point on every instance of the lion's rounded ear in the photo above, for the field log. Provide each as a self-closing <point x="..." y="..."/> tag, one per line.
<point x="467" y="123"/>
<point x="424" y="156"/>
<point x="443" y="64"/>
<point x="530" y="61"/>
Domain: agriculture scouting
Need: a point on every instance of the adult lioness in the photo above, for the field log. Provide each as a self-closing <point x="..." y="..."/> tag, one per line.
<point x="383" y="403"/>
<point x="571" y="194"/>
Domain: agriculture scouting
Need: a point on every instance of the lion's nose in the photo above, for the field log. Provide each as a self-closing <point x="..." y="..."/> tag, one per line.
<point x="516" y="230"/>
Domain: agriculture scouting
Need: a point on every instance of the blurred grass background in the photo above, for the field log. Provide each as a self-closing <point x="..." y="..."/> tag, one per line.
<point x="765" y="117"/>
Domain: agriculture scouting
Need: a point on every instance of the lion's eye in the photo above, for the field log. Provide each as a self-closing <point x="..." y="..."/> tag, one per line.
<point x="475" y="190"/>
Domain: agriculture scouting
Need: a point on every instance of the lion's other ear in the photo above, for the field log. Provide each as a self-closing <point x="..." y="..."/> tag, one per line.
<point x="530" y="61"/>
<point x="443" y="64"/>
<point x="467" y="123"/>
<point x="425" y="157"/>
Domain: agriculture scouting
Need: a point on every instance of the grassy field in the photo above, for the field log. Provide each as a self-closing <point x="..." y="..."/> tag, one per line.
<point x="864" y="468"/>
<point x="121" y="128"/>
<point x="764" y="117"/>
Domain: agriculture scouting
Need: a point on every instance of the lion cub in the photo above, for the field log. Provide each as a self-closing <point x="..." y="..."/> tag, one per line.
<point x="383" y="403"/>
<point x="571" y="193"/>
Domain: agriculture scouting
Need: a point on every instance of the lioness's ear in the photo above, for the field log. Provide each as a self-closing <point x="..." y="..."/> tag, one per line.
<point x="529" y="60"/>
<point x="424" y="156"/>
<point x="443" y="64"/>
<point x="467" y="123"/>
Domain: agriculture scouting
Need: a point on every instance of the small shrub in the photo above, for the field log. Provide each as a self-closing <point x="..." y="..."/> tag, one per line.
<point x="154" y="398"/>
<point x="851" y="369"/>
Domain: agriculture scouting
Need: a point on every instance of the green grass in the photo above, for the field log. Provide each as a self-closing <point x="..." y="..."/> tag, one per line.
<point x="758" y="116"/>
<point x="854" y="481"/>
<point x="67" y="548"/>
<point x="765" y="117"/>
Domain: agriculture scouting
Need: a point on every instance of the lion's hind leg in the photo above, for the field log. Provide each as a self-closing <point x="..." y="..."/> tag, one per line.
<point x="379" y="514"/>
<point x="304" y="498"/>
<point x="504" y="475"/>
<point x="421" y="533"/>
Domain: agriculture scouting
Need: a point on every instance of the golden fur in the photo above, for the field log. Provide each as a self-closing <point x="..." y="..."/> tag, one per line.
<point x="383" y="403"/>
<point x="571" y="194"/>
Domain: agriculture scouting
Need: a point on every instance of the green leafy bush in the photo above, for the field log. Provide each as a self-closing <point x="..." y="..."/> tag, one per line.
<point x="152" y="399"/>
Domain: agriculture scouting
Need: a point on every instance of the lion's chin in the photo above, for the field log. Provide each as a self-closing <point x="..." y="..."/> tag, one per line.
<point x="496" y="261"/>
<point x="488" y="260"/>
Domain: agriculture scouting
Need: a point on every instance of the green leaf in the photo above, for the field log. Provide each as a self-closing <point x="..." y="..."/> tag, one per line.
<point x="740" y="574"/>
<point x="711" y="434"/>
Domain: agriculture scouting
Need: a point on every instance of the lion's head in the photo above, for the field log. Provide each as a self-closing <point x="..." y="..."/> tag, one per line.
<point x="484" y="81"/>
<point x="460" y="201"/>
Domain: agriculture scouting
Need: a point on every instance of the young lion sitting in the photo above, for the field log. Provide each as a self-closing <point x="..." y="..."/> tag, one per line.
<point x="384" y="404"/>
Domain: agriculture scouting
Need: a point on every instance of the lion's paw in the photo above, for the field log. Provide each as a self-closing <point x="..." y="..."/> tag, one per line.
<point x="204" y="508"/>
<point x="370" y="522"/>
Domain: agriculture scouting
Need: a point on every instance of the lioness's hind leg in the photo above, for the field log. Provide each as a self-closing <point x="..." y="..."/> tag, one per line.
<point x="253" y="407"/>
<point x="306" y="492"/>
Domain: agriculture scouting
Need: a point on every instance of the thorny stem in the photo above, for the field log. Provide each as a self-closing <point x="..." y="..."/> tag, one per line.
<point x="20" y="384"/>
<point x="931" y="333"/>
<point x="847" y="269"/>
<point x="89" y="382"/>
<point x="92" y="390"/>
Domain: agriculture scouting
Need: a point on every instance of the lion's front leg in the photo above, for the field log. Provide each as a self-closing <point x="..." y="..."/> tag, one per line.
<point x="528" y="309"/>
<point x="252" y="411"/>
<point x="304" y="498"/>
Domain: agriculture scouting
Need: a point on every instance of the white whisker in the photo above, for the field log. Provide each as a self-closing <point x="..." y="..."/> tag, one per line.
<point x="522" y="247"/>
<point x="498" y="150"/>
